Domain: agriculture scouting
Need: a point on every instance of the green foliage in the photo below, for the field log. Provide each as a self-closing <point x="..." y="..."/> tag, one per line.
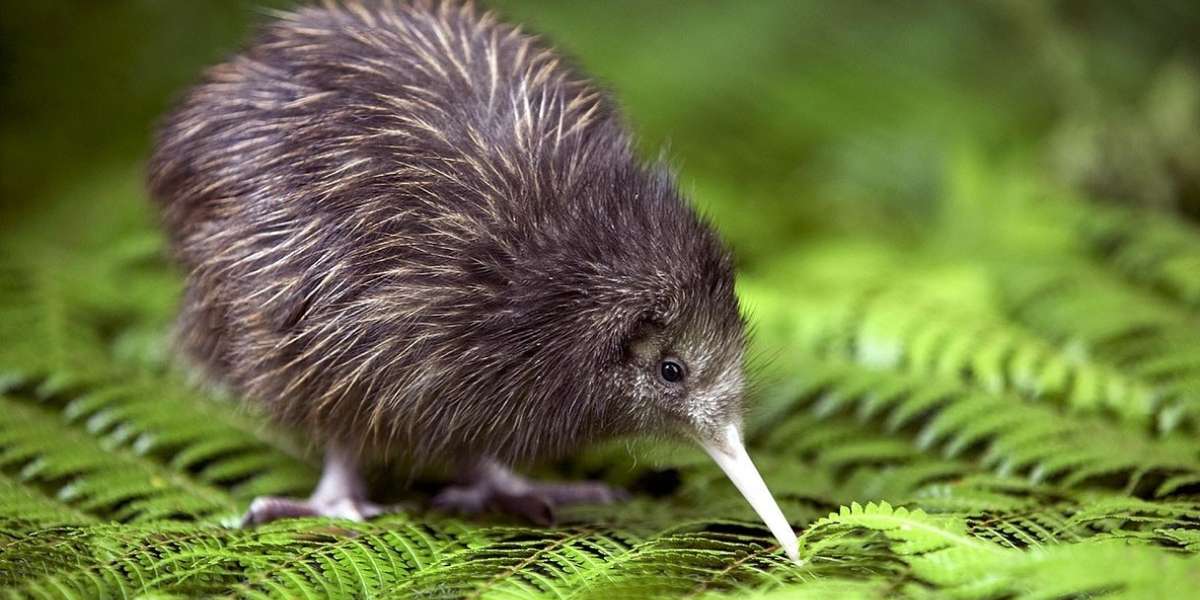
<point x="1010" y="428"/>
<point x="969" y="381"/>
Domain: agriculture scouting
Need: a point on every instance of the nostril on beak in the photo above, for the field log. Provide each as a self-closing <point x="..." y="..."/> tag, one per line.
<point x="730" y="454"/>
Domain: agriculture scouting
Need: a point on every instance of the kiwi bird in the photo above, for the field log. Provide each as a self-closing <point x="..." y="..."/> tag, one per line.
<point x="413" y="231"/>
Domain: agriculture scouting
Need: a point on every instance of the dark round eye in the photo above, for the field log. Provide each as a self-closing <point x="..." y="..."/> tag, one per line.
<point x="671" y="370"/>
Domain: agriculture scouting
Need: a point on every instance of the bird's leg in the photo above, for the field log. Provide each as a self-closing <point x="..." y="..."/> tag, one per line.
<point x="340" y="493"/>
<point x="488" y="485"/>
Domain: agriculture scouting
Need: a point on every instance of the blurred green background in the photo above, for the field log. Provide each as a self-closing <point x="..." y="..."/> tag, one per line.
<point x="825" y="115"/>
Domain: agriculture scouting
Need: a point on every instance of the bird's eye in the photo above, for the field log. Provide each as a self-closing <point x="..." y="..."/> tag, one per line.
<point x="671" y="370"/>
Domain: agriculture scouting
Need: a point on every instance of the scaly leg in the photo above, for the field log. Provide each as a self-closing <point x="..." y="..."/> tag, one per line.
<point x="340" y="493"/>
<point x="490" y="485"/>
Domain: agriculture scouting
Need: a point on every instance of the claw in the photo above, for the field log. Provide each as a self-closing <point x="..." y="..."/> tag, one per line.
<point x="491" y="486"/>
<point x="269" y="508"/>
<point x="534" y="507"/>
<point x="265" y="509"/>
<point x="339" y="494"/>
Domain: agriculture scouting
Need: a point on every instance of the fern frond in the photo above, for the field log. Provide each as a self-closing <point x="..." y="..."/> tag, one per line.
<point x="999" y="432"/>
<point x="1150" y="249"/>
<point x="893" y="330"/>
<point x="1150" y="339"/>
<point x="218" y="445"/>
<point x="81" y="472"/>
<point x="942" y="554"/>
<point x="45" y="334"/>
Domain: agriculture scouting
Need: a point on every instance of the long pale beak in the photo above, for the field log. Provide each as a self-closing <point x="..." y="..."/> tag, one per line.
<point x="730" y="454"/>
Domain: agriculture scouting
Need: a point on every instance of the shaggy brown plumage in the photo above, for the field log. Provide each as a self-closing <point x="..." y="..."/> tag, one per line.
<point x="415" y="228"/>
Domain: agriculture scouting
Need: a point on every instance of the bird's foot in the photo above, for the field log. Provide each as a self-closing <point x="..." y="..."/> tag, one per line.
<point x="491" y="486"/>
<point x="265" y="509"/>
<point x="340" y="494"/>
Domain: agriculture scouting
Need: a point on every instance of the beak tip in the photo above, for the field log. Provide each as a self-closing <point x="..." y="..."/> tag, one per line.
<point x="730" y="455"/>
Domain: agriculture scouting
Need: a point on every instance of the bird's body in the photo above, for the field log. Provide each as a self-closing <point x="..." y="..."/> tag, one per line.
<point x="413" y="230"/>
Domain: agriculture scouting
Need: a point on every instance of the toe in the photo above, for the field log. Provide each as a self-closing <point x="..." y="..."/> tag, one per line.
<point x="461" y="500"/>
<point x="535" y="507"/>
<point x="343" y="508"/>
<point x="370" y="510"/>
<point x="584" y="492"/>
<point x="532" y="505"/>
<point x="616" y="494"/>
<point x="265" y="509"/>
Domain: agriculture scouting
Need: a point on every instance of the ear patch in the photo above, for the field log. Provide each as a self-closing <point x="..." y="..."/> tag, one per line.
<point x="645" y="341"/>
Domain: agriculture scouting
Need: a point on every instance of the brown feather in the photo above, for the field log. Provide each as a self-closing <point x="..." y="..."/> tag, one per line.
<point x="415" y="228"/>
